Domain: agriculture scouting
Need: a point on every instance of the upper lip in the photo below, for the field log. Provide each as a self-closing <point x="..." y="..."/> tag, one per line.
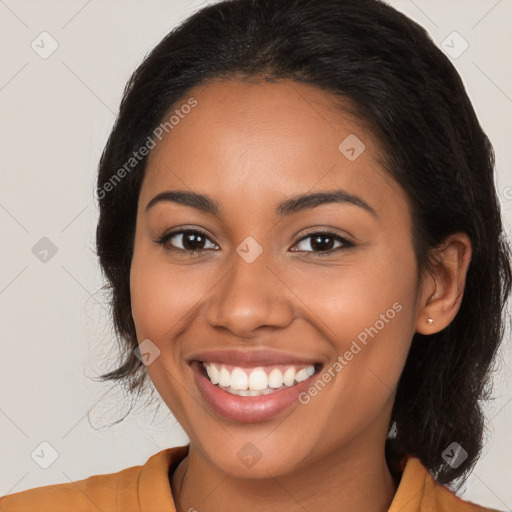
<point x="250" y="357"/>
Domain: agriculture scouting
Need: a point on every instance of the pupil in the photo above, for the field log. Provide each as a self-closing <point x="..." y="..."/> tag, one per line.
<point x="316" y="244"/>
<point x="196" y="239"/>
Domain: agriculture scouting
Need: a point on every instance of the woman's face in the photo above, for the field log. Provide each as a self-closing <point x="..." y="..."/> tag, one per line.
<point x="269" y="282"/>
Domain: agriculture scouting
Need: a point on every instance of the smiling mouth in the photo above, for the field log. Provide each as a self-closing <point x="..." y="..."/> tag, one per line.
<point x="256" y="381"/>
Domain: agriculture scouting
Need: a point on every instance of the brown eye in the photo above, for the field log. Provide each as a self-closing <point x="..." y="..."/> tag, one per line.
<point x="323" y="242"/>
<point x="195" y="242"/>
<point x="192" y="241"/>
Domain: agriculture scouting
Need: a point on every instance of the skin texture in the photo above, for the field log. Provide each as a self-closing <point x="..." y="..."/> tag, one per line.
<point x="249" y="146"/>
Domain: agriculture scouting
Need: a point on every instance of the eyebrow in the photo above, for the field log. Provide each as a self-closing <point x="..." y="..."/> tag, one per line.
<point x="292" y="205"/>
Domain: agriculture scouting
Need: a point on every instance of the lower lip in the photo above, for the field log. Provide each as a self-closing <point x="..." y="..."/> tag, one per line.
<point x="248" y="409"/>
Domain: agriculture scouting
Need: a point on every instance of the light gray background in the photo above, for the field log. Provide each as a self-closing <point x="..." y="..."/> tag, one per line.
<point x="56" y="114"/>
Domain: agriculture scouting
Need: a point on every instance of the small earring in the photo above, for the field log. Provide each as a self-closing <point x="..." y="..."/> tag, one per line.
<point x="430" y="321"/>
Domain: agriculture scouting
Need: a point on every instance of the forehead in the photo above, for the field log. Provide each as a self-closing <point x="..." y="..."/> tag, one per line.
<point x="263" y="141"/>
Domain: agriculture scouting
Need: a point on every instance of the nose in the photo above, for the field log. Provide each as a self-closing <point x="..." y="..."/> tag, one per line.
<point x="249" y="297"/>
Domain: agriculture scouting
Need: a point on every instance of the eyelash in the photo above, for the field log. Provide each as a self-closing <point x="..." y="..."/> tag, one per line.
<point x="167" y="236"/>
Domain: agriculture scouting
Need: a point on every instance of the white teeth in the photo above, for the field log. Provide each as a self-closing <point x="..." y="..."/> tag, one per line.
<point x="224" y="378"/>
<point x="301" y="375"/>
<point x="250" y="392"/>
<point x="289" y="376"/>
<point x="275" y="379"/>
<point x="258" y="382"/>
<point x="213" y="373"/>
<point x="238" y="379"/>
<point x="258" y="379"/>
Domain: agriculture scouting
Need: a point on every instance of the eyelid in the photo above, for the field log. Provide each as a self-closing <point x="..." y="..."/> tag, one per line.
<point x="331" y="231"/>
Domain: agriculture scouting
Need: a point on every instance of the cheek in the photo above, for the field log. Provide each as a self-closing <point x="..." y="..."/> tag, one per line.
<point x="367" y="315"/>
<point x="369" y="371"/>
<point x="346" y="299"/>
<point x="161" y="296"/>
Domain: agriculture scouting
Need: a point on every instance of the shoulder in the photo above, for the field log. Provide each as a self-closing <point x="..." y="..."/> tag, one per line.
<point x="418" y="490"/>
<point x="97" y="492"/>
<point x="447" y="500"/>
<point x="123" y="490"/>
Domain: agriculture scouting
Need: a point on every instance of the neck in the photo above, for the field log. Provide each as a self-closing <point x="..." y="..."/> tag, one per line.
<point x="350" y="479"/>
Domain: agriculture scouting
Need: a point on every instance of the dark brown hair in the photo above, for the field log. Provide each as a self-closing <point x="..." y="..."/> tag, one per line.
<point x="395" y="79"/>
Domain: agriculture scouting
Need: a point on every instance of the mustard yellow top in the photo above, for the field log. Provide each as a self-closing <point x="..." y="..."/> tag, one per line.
<point x="146" y="488"/>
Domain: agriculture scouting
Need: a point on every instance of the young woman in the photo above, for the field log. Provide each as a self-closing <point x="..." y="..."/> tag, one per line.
<point x="300" y="229"/>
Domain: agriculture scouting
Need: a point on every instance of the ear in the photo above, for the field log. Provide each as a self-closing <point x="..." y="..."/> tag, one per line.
<point x="442" y="295"/>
